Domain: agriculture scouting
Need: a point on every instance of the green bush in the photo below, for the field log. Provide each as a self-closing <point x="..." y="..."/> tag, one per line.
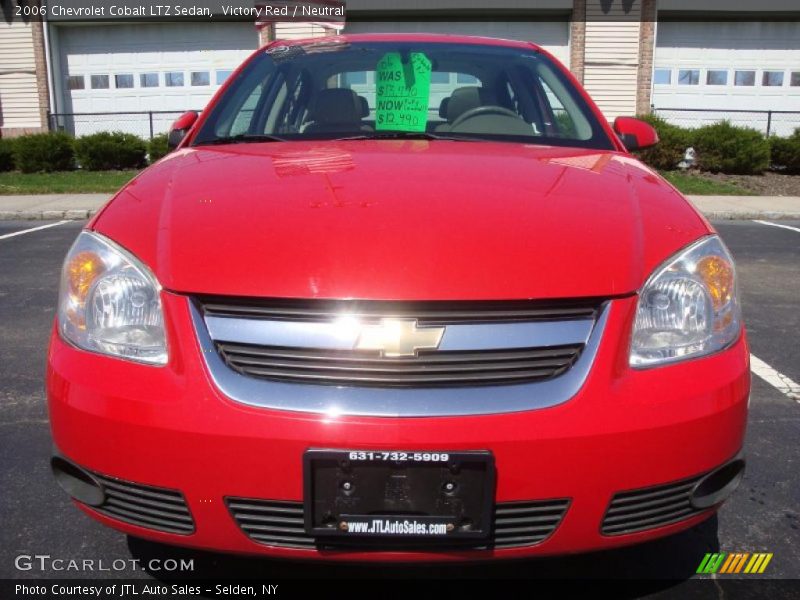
<point x="44" y="152"/>
<point x="786" y="152"/>
<point x="110" y="150"/>
<point x="724" y="148"/>
<point x="6" y="155"/>
<point x="157" y="147"/>
<point x="672" y="145"/>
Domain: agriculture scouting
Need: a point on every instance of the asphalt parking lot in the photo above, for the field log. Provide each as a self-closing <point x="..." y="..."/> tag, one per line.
<point x="763" y="516"/>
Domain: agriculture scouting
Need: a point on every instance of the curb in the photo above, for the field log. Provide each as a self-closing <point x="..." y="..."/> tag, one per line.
<point x="46" y="215"/>
<point x="750" y="216"/>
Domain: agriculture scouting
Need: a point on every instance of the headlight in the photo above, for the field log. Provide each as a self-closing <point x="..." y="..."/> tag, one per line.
<point x="688" y="307"/>
<point x="110" y="303"/>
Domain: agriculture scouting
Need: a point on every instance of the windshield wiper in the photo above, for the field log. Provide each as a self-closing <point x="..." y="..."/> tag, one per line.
<point x="408" y="135"/>
<point x="242" y="138"/>
<point x="252" y="138"/>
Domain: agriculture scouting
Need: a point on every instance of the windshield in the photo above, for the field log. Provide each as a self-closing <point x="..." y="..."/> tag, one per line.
<point x="335" y="90"/>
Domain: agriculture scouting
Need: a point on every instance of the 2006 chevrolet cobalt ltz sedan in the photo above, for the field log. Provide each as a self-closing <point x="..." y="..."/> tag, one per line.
<point x="399" y="297"/>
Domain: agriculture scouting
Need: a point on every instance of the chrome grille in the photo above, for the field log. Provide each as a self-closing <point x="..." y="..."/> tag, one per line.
<point x="156" y="508"/>
<point x="484" y="343"/>
<point x="280" y="523"/>
<point x="427" y="369"/>
<point x="648" y="508"/>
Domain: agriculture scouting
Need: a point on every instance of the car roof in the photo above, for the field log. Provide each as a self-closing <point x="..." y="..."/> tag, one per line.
<point x="409" y="37"/>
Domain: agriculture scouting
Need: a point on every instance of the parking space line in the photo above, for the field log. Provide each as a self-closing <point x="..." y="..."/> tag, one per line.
<point x="777" y="380"/>
<point x="797" y="229"/>
<point x="32" y="229"/>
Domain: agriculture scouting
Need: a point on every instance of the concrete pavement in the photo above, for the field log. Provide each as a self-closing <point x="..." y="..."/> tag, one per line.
<point x="51" y="206"/>
<point x="748" y="207"/>
<point x="81" y="206"/>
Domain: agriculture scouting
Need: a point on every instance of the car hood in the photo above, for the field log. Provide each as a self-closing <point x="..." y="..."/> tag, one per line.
<point x="407" y="219"/>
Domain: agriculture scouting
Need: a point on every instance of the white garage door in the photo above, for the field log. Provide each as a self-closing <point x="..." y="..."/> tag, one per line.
<point x="728" y="66"/>
<point x="553" y="36"/>
<point x="146" y="67"/>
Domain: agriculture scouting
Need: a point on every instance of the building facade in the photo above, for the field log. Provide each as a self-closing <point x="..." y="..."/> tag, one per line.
<point x="23" y="77"/>
<point x="692" y="61"/>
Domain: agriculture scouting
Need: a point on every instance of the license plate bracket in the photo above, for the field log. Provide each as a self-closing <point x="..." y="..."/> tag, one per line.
<point x="407" y="495"/>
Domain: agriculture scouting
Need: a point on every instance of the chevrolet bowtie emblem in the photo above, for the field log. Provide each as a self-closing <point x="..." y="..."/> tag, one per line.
<point x="399" y="337"/>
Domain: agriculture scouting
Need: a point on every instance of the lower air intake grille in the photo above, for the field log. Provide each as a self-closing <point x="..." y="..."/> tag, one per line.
<point x="527" y="523"/>
<point x="648" y="508"/>
<point x="271" y="522"/>
<point x="146" y="506"/>
<point x="277" y="523"/>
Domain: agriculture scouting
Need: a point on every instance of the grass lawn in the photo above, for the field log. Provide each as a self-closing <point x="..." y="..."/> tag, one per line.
<point x="87" y="182"/>
<point x="703" y="186"/>
<point x="65" y="182"/>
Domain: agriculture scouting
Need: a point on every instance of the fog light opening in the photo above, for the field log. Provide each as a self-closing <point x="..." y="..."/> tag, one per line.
<point x="77" y="482"/>
<point x="718" y="485"/>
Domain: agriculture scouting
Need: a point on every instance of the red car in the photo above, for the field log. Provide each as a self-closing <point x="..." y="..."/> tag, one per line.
<point x="399" y="297"/>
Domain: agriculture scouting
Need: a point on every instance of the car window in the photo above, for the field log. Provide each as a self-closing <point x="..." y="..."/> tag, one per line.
<point x="563" y="120"/>
<point x="327" y="90"/>
<point x="243" y="117"/>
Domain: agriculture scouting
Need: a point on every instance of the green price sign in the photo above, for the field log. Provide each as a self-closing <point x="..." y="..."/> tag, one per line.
<point x="403" y="90"/>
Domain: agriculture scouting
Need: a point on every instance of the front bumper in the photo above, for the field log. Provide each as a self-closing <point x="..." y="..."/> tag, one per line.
<point x="171" y="428"/>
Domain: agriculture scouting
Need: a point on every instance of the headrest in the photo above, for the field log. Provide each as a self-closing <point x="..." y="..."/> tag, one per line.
<point x="466" y="98"/>
<point x="336" y="105"/>
<point x="364" y="106"/>
<point x="443" y="108"/>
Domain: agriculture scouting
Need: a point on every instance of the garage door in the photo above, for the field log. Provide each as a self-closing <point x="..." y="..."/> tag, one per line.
<point x="553" y="36"/>
<point x="728" y="66"/>
<point x="146" y="67"/>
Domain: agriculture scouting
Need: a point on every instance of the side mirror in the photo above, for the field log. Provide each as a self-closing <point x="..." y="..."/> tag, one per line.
<point x="179" y="129"/>
<point x="635" y="134"/>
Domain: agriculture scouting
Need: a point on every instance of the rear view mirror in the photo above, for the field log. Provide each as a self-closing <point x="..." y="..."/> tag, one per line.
<point x="179" y="129"/>
<point x="635" y="133"/>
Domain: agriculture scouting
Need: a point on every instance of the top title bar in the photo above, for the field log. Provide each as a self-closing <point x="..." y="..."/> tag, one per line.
<point x="260" y="11"/>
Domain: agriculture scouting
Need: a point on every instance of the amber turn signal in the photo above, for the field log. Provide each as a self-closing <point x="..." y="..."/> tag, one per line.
<point x="717" y="274"/>
<point x="82" y="270"/>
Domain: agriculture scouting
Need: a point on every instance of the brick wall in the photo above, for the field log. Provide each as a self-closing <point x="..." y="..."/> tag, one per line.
<point x="577" y="39"/>
<point x="37" y="30"/>
<point x="647" y="42"/>
<point x="611" y="55"/>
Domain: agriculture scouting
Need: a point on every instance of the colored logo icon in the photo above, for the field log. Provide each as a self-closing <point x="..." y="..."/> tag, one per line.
<point x="735" y="562"/>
